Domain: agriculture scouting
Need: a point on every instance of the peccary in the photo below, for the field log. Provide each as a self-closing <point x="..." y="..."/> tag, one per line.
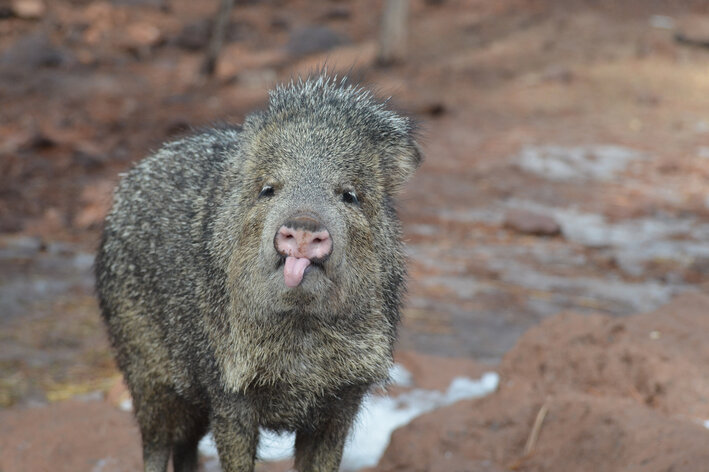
<point x="252" y="276"/>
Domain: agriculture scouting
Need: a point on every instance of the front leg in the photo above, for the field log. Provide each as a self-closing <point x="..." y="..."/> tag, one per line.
<point x="235" y="430"/>
<point x="319" y="449"/>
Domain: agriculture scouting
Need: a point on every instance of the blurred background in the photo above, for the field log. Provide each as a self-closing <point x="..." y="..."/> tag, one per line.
<point x="567" y="163"/>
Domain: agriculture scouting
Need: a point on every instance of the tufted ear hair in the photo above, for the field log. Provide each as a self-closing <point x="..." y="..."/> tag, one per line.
<point x="400" y="164"/>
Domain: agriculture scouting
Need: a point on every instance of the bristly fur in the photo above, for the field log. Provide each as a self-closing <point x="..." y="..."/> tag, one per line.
<point x="191" y="288"/>
<point x="317" y="92"/>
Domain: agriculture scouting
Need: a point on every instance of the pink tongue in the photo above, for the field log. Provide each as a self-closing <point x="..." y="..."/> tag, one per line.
<point x="294" y="270"/>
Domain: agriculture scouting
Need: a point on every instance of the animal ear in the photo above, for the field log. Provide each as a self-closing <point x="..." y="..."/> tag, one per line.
<point x="401" y="164"/>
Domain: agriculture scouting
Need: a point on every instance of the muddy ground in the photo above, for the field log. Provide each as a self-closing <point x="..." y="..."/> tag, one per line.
<point x="567" y="148"/>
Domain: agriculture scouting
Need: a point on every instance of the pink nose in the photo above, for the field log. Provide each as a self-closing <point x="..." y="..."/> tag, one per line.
<point x="303" y="237"/>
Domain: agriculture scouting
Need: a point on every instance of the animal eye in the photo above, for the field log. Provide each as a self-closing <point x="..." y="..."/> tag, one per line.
<point x="266" y="191"/>
<point x="350" y="197"/>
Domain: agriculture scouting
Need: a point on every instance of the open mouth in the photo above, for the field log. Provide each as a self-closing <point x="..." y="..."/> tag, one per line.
<point x="314" y="263"/>
<point x="295" y="269"/>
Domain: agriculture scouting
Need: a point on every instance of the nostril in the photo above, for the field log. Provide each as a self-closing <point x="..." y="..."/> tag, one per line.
<point x="320" y="245"/>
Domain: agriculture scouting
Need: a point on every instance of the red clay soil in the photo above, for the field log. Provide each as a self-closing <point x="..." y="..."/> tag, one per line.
<point x="71" y="435"/>
<point x="612" y="394"/>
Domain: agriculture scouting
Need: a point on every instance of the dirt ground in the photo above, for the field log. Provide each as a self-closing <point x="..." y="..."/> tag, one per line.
<point x="567" y="163"/>
<point x="582" y="393"/>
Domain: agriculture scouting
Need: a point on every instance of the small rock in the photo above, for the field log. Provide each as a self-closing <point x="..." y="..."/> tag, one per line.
<point x="662" y="22"/>
<point x="280" y="22"/>
<point x="338" y="12"/>
<point x="141" y="35"/>
<point x="648" y="99"/>
<point x="10" y="224"/>
<point x="6" y="12"/>
<point x="20" y="247"/>
<point x="433" y="108"/>
<point x="88" y="160"/>
<point x="39" y="140"/>
<point x="60" y="248"/>
<point x="195" y="35"/>
<point x="29" y="9"/>
<point x="313" y="39"/>
<point x="694" y="30"/>
<point x="529" y="222"/>
<point x="33" y="51"/>
<point x="238" y="31"/>
<point x="558" y="73"/>
<point x="161" y="4"/>
<point x="177" y="127"/>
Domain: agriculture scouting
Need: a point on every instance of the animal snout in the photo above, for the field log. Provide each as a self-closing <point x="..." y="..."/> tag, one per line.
<point x="303" y="237"/>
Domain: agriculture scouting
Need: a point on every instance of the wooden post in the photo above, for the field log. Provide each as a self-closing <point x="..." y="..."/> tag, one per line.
<point x="215" y="42"/>
<point x="393" y="32"/>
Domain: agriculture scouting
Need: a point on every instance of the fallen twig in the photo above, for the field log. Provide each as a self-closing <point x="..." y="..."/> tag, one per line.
<point x="534" y="434"/>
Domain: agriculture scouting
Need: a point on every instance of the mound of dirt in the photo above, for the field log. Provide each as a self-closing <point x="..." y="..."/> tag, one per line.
<point x="581" y="393"/>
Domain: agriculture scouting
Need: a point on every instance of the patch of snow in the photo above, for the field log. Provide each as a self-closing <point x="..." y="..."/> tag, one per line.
<point x="207" y="446"/>
<point x="424" y="230"/>
<point x="433" y="256"/>
<point x="638" y="297"/>
<point x="469" y="215"/>
<point x="462" y="388"/>
<point x="662" y="22"/>
<point x="83" y="261"/>
<point x="126" y="405"/>
<point x="592" y="230"/>
<point x="601" y="162"/>
<point x="638" y="241"/>
<point x="275" y="446"/>
<point x="633" y="259"/>
<point x="634" y="242"/>
<point x="463" y="287"/>
<point x="94" y="396"/>
<point x="101" y="465"/>
<point x="379" y="416"/>
<point x="400" y="376"/>
<point x="706" y="424"/>
<point x="18" y="293"/>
